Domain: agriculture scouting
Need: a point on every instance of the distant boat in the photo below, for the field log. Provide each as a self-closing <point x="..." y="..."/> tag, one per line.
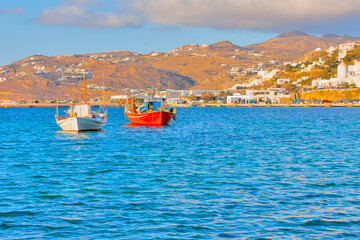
<point x="151" y="113"/>
<point x="81" y="118"/>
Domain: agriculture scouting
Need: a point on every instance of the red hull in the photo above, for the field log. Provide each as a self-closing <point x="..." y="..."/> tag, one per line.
<point x="159" y="118"/>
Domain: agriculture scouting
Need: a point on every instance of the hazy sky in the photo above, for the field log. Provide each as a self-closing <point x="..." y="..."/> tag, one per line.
<point x="54" y="27"/>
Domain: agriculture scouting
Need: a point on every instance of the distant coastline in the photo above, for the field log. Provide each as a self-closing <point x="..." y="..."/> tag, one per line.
<point x="28" y="105"/>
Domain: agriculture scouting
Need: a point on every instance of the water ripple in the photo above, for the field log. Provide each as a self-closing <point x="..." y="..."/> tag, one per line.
<point x="220" y="173"/>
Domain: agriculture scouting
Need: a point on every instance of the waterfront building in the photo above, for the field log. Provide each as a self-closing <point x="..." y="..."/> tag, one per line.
<point x="118" y="98"/>
<point x="272" y="95"/>
<point x="170" y="96"/>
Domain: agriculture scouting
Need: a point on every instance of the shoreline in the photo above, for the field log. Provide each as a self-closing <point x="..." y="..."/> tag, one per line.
<point x="43" y="105"/>
<point x="28" y="105"/>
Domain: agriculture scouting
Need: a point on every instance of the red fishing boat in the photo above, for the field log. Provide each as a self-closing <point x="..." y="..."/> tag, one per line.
<point x="150" y="113"/>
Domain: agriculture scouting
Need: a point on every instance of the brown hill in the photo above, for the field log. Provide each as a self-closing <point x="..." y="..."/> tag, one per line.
<point x="45" y="78"/>
<point x="191" y="66"/>
<point x="292" y="34"/>
<point x="223" y="46"/>
<point x="292" y="46"/>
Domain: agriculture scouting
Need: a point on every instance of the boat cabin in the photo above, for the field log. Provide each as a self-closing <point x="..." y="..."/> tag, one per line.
<point x="150" y="106"/>
<point x="82" y="110"/>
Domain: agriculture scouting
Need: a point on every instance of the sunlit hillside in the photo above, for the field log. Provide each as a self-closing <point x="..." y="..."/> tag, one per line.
<point x="216" y="66"/>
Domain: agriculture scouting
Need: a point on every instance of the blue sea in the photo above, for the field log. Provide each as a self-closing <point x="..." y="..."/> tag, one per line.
<point x="219" y="173"/>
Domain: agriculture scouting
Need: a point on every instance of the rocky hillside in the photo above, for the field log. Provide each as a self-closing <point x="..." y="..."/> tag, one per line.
<point x="215" y="66"/>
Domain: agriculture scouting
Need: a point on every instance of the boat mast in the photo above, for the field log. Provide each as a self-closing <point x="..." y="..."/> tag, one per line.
<point x="103" y="90"/>
<point x="57" y="107"/>
<point x="84" y="97"/>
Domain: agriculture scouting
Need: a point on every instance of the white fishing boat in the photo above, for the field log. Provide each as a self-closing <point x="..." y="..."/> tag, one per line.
<point x="79" y="117"/>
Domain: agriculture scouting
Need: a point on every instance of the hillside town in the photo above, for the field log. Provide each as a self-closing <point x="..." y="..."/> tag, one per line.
<point x="243" y="94"/>
<point x="248" y="76"/>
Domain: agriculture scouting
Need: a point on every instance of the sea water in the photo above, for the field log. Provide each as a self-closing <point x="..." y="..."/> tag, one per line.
<point x="219" y="173"/>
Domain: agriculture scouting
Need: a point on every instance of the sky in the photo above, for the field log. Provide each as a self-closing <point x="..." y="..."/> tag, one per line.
<point x="65" y="27"/>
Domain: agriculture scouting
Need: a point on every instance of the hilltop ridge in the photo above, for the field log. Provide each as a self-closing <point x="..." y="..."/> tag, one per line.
<point x="293" y="45"/>
<point x="292" y="34"/>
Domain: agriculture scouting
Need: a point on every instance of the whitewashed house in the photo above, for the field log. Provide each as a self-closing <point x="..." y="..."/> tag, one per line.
<point x="281" y="81"/>
<point x="346" y="74"/>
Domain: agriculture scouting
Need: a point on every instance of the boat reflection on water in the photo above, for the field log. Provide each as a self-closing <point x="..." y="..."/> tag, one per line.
<point x="132" y="125"/>
<point x="78" y="135"/>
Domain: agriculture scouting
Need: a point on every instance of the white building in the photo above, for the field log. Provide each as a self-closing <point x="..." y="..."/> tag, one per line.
<point x="120" y="98"/>
<point x="263" y="76"/>
<point x="347" y="46"/>
<point x="266" y="75"/>
<point x="326" y="83"/>
<point x="274" y="95"/>
<point x="235" y="70"/>
<point x="253" y="83"/>
<point x="354" y="70"/>
<point x="342" y="70"/>
<point x="346" y="74"/>
<point x="341" y="54"/>
<point x="184" y="93"/>
<point x="281" y="81"/>
<point x="344" y="48"/>
<point x="331" y="50"/>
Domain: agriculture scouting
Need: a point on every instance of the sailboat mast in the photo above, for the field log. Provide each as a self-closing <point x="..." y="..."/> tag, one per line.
<point x="85" y="98"/>
<point x="103" y="89"/>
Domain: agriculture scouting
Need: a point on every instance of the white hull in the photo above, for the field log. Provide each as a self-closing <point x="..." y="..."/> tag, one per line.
<point x="81" y="124"/>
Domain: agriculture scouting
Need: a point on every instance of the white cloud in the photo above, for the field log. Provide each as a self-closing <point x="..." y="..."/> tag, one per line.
<point x="247" y="14"/>
<point x="74" y="13"/>
<point x="268" y="15"/>
<point x="78" y="2"/>
<point x="15" y="11"/>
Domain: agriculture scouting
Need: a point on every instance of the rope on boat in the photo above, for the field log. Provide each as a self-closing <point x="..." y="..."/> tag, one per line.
<point x="173" y="119"/>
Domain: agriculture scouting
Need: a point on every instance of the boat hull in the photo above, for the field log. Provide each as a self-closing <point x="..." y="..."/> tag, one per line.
<point x="158" y="118"/>
<point x="81" y="124"/>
